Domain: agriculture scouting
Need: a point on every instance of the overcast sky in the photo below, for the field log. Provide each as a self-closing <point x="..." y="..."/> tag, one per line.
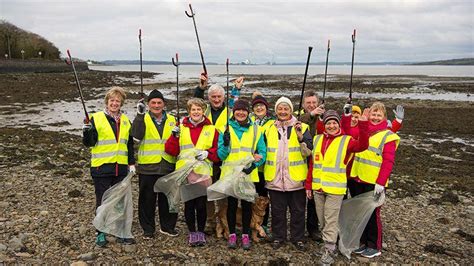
<point x="410" y="30"/>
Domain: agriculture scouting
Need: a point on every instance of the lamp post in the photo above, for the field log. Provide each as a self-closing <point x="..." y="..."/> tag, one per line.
<point x="22" y="54"/>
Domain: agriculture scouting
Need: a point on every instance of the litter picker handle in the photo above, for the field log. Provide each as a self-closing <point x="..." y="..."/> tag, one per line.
<point x="78" y="84"/>
<point x="310" y="49"/>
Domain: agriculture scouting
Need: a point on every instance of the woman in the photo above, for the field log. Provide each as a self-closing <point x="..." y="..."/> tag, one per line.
<point x="288" y="145"/>
<point x="108" y="135"/>
<point x="242" y="139"/>
<point x="332" y="151"/>
<point x="371" y="171"/>
<point x="197" y="136"/>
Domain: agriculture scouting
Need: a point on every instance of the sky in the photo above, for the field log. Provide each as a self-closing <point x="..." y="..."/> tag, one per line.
<point x="258" y="30"/>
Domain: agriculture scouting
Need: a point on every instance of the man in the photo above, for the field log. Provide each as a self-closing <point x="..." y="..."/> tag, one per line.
<point x="310" y="113"/>
<point x="217" y="114"/>
<point x="151" y="130"/>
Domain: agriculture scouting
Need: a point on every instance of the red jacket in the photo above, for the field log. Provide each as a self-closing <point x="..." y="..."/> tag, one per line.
<point x="355" y="145"/>
<point x="354" y="131"/>
<point x="172" y="144"/>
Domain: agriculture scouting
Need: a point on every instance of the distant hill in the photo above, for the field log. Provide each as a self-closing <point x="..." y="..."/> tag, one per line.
<point x="13" y="40"/>
<point x="456" y="62"/>
<point x="147" y="62"/>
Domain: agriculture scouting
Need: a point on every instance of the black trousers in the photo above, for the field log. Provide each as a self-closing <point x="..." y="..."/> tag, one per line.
<point x="311" y="217"/>
<point x="372" y="235"/>
<point x="263" y="191"/>
<point x="296" y="202"/>
<point x="101" y="184"/>
<point x="195" y="208"/>
<point x="147" y="206"/>
<point x="232" y="204"/>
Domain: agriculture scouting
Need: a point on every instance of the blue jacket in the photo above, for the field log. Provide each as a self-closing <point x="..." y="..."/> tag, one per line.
<point x="223" y="151"/>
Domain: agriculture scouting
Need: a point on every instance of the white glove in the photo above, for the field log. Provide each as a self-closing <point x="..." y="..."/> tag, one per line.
<point x="202" y="155"/>
<point x="141" y="108"/>
<point x="378" y="189"/>
<point x="132" y="169"/>
<point x="176" y="130"/>
<point x="399" y="112"/>
<point x="347" y="109"/>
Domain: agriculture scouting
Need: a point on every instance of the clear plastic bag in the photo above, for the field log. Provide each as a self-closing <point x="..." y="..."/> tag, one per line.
<point x="235" y="183"/>
<point x="354" y="216"/>
<point x="184" y="184"/>
<point x="115" y="215"/>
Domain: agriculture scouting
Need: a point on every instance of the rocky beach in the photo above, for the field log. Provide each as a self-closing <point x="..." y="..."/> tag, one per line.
<point x="47" y="195"/>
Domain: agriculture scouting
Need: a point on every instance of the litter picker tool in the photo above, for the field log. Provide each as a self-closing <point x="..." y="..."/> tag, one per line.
<point x="227" y="89"/>
<point x="176" y="64"/>
<point x="141" y="62"/>
<point x="326" y="70"/>
<point x="78" y="84"/>
<point x="197" y="36"/>
<point x="304" y="80"/>
<point x="352" y="64"/>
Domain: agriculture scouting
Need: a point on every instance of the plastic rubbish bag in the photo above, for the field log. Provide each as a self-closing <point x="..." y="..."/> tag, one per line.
<point x="184" y="184"/>
<point x="115" y="215"/>
<point x="235" y="183"/>
<point x="354" y="216"/>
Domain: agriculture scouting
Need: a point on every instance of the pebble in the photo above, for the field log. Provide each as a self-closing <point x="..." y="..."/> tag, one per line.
<point x="23" y="255"/>
<point x="87" y="256"/>
<point x="3" y="247"/>
<point x="453" y="229"/>
<point x="4" y="204"/>
<point x="44" y="213"/>
<point x="129" y="248"/>
<point x="79" y="263"/>
<point x="15" y="244"/>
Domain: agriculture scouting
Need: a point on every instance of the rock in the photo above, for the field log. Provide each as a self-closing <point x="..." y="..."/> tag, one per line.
<point x="44" y="213"/>
<point x="87" y="256"/>
<point x="453" y="229"/>
<point x="3" y="219"/>
<point x="384" y="246"/>
<point x="363" y="259"/>
<point x="4" y="204"/>
<point x="82" y="229"/>
<point x="23" y="255"/>
<point x="452" y="253"/>
<point x="15" y="244"/>
<point x="79" y="263"/>
<point x="3" y="247"/>
<point x="74" y="193"/>
<point x="129" y="248"/>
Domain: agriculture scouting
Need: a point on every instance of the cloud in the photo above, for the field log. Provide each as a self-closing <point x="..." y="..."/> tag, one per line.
<point x="255" y="30"/>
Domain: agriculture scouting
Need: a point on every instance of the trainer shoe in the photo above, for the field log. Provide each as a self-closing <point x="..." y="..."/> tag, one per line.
<point x="192" y="239"/>
<point x="299" y="245"/>
<point x="327" y="257"/>
<point x="232" y="242"/>
<point x="246" y="242"/>
<point x="100" y="240"/>
<point x="360" y="250"/>
<point x="201" y="239"/>
<point x="276" y="244"/>
<point x="370" y="253"/>
<point x="172" y="232"/>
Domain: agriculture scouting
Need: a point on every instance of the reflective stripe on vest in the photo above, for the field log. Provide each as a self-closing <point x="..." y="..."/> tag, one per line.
<point x="221" y="122"/>
<point x="298" y="168"/>
<point x="329" y="170"/>
<point x="242" y="148"/>
<point x="108" y="149"/>
<point x="188" y="149"/>
<point x="367" y="163"/>
<point x="152" y="146"/>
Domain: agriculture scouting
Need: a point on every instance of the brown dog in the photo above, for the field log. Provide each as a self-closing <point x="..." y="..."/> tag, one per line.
<point x="258" y="212"/>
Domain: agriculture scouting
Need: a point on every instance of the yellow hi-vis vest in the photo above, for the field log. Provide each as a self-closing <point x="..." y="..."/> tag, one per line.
<point x="367" y="163"/>
<point x="297" y="163"/>
<point x="221" y="122"/>
<point x="152" y="146"/>
<point x="239" y="149"/>
<point x="107" y="149"/>
<point x="329" y="170"/>
<point x="186" y="146"/>
<point x="264" y="126"/>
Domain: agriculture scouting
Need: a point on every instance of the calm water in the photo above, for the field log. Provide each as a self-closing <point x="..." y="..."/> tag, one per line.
<point x="191" y="72"/>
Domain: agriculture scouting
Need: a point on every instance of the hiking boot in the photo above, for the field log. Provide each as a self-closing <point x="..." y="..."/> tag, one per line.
<point x="276" y="244"/>
<point x="201" y="239"/>
<point x="360" y="250"/>
<point x="232" y="242"/>
<point x="327" y="257"/>
<point x="370" y="253"/>
<point x="246" y="242"/>
<point x="100" y="240"/>
<point x="192" y="239"/>
<point x="299" y="245"/>
<point x="315" y="236"/>
<point x="172" y="232"/>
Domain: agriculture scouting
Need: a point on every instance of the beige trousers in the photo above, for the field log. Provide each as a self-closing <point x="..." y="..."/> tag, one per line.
<point x="327" y="209"/>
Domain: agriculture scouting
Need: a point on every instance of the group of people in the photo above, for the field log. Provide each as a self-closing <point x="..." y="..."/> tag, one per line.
<point x="303" y="160"/>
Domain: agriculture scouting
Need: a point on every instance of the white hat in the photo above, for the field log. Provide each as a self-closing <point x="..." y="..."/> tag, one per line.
<point x="284" y="100"/>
